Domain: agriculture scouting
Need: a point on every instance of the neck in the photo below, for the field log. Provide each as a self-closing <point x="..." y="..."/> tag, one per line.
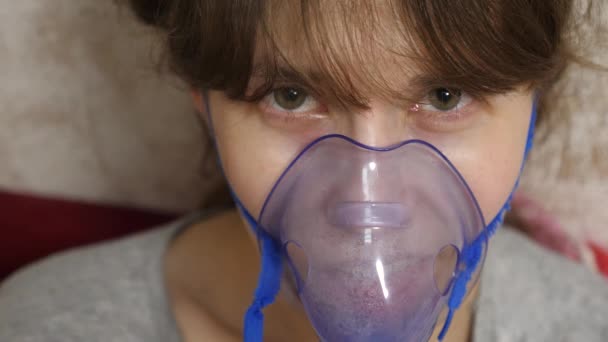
<point x="212" y="270"/>
<point x="462" y="323"/>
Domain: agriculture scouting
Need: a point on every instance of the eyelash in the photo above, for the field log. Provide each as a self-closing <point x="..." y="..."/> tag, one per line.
<point x="421" y="108"/>
<point x="268" y="105"/>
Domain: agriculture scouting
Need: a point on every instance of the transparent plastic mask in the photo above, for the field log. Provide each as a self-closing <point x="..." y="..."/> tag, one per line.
<point x="373" y="236"/>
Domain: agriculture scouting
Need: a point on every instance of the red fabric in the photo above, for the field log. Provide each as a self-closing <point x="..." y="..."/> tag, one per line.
<point x="32" y="227"/>
<point x="601" y="258"/>
<point x="542" y="226"/>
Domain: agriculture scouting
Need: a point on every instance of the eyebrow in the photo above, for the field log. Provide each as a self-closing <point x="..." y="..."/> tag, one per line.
<point x="314" y="81"/>
<point x="284" y="73"/>
<point x="318" y="83"/>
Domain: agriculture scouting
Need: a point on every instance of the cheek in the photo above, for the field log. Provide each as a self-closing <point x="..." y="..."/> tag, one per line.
<point x="492" y="167"/>
<point x="253" y="156"/>
<point x="492" y="178"/>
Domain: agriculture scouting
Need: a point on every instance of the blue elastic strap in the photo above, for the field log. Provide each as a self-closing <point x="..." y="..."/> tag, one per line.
<point x="269" y="281"/>
<point x="472" y="254"/>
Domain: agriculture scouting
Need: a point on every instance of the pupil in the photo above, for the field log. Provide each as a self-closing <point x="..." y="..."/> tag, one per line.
<point x="444" y="96"/>
<point x="445" y="99"/>
<point x="291" y="94"/>
<point x="290" y="98"/>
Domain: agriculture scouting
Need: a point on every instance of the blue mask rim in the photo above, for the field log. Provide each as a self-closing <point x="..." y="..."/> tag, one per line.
<point x="374" y="149"/>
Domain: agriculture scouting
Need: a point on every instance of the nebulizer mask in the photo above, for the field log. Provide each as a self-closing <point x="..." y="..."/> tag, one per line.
<point x="379" y="241"/>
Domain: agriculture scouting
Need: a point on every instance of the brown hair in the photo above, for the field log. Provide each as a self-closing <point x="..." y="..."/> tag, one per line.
<point x="482" y="47"/>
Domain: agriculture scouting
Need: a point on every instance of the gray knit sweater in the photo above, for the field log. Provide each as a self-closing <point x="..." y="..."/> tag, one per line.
<point x="114" y="292"/>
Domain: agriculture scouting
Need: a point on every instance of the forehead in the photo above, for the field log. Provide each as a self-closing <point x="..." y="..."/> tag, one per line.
<point x="362" y="45"/>
<point x="353" y="50"/>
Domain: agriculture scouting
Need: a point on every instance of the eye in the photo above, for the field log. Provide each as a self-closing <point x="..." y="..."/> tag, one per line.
<point x="445" y="109"/>
<point x="293" y="102"/>
<point x="289" y="98"/>
<point x="445" y="99"/>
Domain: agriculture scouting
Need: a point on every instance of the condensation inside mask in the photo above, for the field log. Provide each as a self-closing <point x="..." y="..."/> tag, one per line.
<point x="374" y="238"/>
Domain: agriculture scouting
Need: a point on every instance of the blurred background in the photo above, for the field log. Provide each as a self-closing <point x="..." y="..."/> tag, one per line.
<point x="96" y="143"/>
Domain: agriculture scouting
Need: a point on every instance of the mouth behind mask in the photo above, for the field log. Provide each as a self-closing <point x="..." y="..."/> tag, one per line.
<point x="374" y="237"/>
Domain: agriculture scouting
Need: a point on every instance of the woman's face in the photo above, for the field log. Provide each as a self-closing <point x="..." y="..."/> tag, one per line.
<point x="484" y="138"/>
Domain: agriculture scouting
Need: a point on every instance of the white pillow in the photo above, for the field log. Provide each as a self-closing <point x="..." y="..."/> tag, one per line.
<point x="84" y="113"/>
<point x="568" y="169"/>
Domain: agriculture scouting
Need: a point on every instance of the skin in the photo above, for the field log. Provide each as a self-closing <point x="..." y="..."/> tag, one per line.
<point x="211" y="268"/>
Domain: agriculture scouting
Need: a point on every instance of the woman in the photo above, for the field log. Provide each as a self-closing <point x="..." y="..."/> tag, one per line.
<point x="372" y="149"/>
